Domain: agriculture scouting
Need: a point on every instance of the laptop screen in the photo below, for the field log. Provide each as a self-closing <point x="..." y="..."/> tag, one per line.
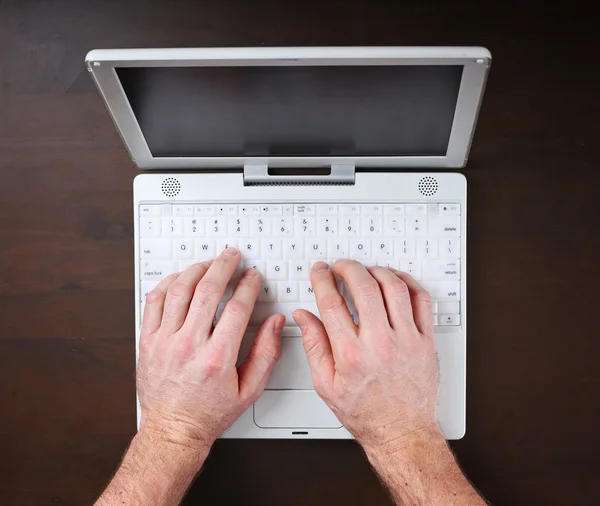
<point x="395" y="110"/>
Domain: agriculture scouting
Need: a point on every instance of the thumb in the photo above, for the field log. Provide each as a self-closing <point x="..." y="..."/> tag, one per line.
<point x="255" y="370"/>
<point x="318" y="349"/>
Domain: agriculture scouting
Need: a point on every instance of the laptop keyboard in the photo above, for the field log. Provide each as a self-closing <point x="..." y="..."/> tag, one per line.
<point x="282" y="241"/>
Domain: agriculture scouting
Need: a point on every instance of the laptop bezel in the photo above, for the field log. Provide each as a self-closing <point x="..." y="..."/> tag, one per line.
<point x="475" y="61"/>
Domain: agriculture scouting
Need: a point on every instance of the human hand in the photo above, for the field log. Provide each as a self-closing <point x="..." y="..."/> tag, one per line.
<point x="380" y="378"/>
<point x="189" y="388"/>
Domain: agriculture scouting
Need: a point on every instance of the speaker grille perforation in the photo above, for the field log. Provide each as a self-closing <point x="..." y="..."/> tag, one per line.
<point x="171" y="187"/>
<point x="428" y="186"/>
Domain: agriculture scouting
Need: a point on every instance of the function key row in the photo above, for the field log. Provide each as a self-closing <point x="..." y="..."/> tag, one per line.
<point x="298" y="209"/>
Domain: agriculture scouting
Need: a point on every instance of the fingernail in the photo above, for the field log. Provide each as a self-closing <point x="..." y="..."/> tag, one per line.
<point x="320" y="267"/>
<point x="278" y="325"/>
<point x="250" y="273"/>
<point x="207" y="263"/>
<point x="230" y="252"/>
<point x="299" y="319"/>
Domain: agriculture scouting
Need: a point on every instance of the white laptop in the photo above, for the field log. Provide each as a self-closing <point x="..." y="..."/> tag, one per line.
<point x="296" y="155"/>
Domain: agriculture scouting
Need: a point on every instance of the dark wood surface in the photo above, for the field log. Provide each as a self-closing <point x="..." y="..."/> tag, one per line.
<point x="66" y="251"/>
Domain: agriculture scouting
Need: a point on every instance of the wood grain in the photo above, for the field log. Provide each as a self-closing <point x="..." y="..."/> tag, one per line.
<point x="66" y="251"/>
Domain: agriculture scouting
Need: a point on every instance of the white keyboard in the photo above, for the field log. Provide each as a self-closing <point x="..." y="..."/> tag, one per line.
<point x="282" y="241"/>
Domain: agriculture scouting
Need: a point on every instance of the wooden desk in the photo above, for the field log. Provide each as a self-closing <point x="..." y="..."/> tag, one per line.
<point x="66" y="252"/>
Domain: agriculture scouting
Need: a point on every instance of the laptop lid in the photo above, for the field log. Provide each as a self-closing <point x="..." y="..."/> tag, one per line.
<point x="368" y="107"/>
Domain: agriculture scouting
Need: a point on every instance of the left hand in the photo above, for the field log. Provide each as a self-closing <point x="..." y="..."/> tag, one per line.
<point x="189" y="387"/>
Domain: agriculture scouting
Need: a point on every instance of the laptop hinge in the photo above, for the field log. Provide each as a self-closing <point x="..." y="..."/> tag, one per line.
<point x="337" y="174"/>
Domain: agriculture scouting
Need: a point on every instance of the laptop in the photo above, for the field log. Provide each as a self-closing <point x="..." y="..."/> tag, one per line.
<point x="295" y="155"/>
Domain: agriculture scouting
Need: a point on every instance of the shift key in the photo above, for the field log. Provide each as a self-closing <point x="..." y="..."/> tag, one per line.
<point x="442" y="290"/>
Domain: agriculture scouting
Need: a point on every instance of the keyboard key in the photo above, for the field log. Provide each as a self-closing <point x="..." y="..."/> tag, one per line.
<point x="277" y="270"/>
<point x="412" y="267"/>
<point x="405" y="248"/>
<point x="360" y="249"/>
<point x="444" y="225"/>
<point x="184" y="264"/>
<point x="304" y="226"/>
<point x="394" y="209"/>
<point x="368" y="209"/>
<point x="223" y="244"/>
<point x="263" y="310"/>
<point x="249" y="210"/>
<point x="449" y="209"/>
<point x="449" y="319"/>
<point x="390" y="262"/>
<point x="157" y="269"/>
<point x="304" y="210"/>
<point x="260" y="226"/>
<point x="216" y="227"/>
<point x="416" y="209"/>
<point x="371" y="225"/>
<point x="172" y="227"/>
<point x="194" y="227"/>
<point x="150" y="210"/>
<point x="267" y="293"/>
<point x="337" y="248"/>
<point x="288" y="210"/>
<point x="259" y="265"/>
<point x="327" y="225"/>
<point x="449" y="248"/>
<point x="227" y="210"/>
<point x="166" y="209"/>
<point x="271" y="209"/>
<point x="316" y="249"/>
<point x="349" y="226"/>
<point x="427" y="248"/>
<point x="239" y="226"/>
<point x="345" y="209"/>
<point x="435" y="320"/>
<point x="147" y="287"/>
<point x="204" y="249"/>
<point x="250" y="248"/>
<point x="205" y="210"/>
<point x="299" y="269"/>
<point x="183" y="248"/>
<point x="327" y="209"/>
<point x="288" y="291"/>
<point x="293" y="248"/>
<point x="307" y="293"/>
<point x="443" y="290"/>
<point x="283" y="227"/>
<point x="183" y="210"/>
<point x="449" y="307"/>
<point x="271" y="248"/>
<point x="440" y="270"/>
<point x="155" y="248"/>
<point x="150" y="226"/>
<point x="394" y="226"/>
<point x="382" y="248"/>
<point x="416" y="226"/>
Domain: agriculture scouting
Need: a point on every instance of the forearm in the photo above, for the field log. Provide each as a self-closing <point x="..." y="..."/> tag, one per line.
<point x="154" y="472"/>
<point x="420" y="469"/>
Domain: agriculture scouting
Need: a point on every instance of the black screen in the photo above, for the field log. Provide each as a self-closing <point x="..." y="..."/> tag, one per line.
<point x="294" y="110"/>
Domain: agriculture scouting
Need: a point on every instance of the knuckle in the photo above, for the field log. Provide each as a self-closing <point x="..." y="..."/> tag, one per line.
<point x="367" y="288"/>
<point x="208" y="289"/>
<point x="178" y="289"/>
<point x="332" y="302"/>
<point x="399" y="288"/>
<point x="236" y="307"/>
<point x="351" y="357"/>
<point x="214" y="364"/>
<point x="423" y="296"/>
<point x="154" y="297"/>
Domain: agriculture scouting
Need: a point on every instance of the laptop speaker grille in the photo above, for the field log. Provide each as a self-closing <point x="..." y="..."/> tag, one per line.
<point x="428" y="186"/>
<point x="170" y="187"/>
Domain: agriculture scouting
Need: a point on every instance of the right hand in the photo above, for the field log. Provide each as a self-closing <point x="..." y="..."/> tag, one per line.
<point x="380" y="378"/>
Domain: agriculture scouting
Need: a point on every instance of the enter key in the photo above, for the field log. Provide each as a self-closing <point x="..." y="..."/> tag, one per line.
<point x="440" y="270"/>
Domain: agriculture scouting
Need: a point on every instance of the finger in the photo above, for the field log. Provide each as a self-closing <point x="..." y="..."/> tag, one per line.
<point x="209" y="292"/>
<point x="318" y="349"/>
<point x="332" y="306"/>
<point x="365" y="291"/>
<point x="179" y="296"/>
<point x="421" y="303"/>
<point x="266" y="350"/>
<point x="231" y="327"/>
<point x="154" y="307"/>
<point x="396" y="297"/>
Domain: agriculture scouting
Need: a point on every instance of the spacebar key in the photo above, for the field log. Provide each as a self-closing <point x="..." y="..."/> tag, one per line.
<point x="262" y="310"/>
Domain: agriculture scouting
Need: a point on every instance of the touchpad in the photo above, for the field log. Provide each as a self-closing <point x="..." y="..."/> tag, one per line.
<point x="293" y="409"/>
